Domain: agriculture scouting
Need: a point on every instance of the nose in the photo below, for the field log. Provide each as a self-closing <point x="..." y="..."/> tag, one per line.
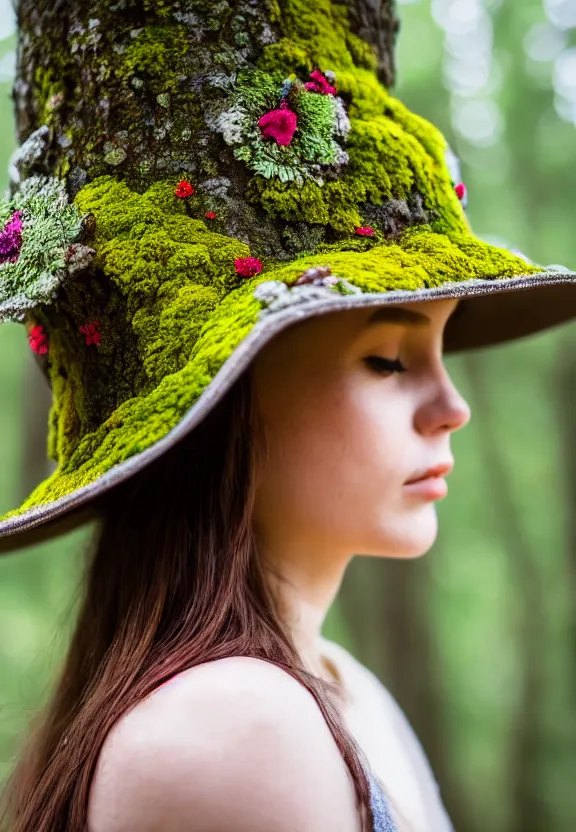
<point x="444" y="409"/>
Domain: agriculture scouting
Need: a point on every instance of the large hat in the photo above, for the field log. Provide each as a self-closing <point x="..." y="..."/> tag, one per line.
<point x="198" y="176"/>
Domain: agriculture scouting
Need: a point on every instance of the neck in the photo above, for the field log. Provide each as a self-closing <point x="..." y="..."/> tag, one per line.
<point x="304" y="581"/>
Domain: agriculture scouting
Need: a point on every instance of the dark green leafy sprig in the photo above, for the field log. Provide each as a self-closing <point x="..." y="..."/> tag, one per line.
<point x="314" y="143"/>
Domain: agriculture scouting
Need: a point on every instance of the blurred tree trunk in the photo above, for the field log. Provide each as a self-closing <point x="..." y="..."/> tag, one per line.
<point x="36" y="401"/>
<point x="386" y="610"/>
<point x="566" y="393"/>
<point x="528" y="733"/>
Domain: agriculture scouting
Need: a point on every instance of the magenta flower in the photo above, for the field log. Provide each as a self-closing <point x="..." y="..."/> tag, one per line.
<point x="365" y="231"/>
<point x="248" y="266"/>
<point x="279" y="125"/>
<point x="11" y="239"/>
<point x="319" y="84"/>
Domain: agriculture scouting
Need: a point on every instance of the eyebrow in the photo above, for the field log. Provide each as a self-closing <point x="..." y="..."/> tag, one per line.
<point x="399" y="315"/>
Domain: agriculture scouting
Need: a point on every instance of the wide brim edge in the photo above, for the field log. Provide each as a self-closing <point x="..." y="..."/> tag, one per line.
<point x="268" y="325"/>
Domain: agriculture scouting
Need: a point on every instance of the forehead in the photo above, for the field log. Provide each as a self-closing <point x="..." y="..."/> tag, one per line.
<point x="339" y="329"/>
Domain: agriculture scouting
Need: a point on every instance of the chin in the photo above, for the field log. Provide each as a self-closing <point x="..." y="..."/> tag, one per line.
<point x="409" y="540"/>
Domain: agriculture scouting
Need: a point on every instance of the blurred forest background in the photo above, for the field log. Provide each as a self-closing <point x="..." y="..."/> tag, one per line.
<point x="477" y="639"/>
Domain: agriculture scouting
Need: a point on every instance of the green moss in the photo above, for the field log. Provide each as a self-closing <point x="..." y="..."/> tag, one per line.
<point x="420" y="259"/>
<point x="321" y="29"/>
<point x="140" y="422"/>
<point x="48" y="90"/>
<point x="362" y="53"/>
<point x="166" y="272"/>
<point x="392" y="152"/>
<point x="155" y="55"/>
<point x="285" y="53"/>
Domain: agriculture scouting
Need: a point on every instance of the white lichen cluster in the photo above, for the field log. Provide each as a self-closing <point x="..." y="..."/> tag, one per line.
<point x="276" y="296"/>
<point x="29" y="152"/>
<point x="50" y="253"/>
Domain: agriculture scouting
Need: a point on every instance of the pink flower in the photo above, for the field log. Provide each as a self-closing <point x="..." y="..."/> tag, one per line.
<point x="319" y="84"/>
<point x="184" y="189"/>
<point x="365" y="231"/>
<point x="279" y="125"/>
<point x="460" y="190"/>
<point x="91" y="333"/>
<point x="11" y="239"/>
<point x="248" y="266"/>
<point x="38" y="340"/>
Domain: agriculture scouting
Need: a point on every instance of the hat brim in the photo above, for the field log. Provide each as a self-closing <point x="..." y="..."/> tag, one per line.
<point x="491" y="312"/>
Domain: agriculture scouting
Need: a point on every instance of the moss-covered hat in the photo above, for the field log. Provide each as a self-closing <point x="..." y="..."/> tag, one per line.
<point x="196" y="176"/>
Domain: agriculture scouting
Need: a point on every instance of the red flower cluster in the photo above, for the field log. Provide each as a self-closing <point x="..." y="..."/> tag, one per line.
<point x="279" y="125"/>
<point x="91" y="333"/>
<point x="460" y="190"/>
<point x="365" y="231"/>
<point x="38" y="340"/>
<point x="319" y="84"/>
<point x="210" y="215"/>
<point x="184" y="189"/>
<point x="248" y="266"/>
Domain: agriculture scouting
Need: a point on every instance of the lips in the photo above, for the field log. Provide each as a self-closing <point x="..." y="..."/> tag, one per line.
<point x="440" y="470"/>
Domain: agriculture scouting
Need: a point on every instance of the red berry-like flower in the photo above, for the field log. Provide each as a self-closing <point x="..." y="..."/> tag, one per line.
<point x="365" y="231"/>
<point x="319" y="84"/>
<point x="248" y="266"/>
<point x="91" y="333"/>
<point x="279" y="125"/>
<point x="460" y="190"/>
<point x="184" y="189"/>
<point x="38" y="340"/>
<point x="210" y="215"/>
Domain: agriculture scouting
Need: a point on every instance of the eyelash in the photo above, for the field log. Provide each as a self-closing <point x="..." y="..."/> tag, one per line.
<point x="384" y="365"/>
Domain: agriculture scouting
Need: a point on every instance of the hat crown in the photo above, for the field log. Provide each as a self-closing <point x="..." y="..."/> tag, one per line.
<point x="201" y="142"/>
<point x="251" y="102"/>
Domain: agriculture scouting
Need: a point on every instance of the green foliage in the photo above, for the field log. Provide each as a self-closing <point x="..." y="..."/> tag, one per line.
<point x="313" y="144"/>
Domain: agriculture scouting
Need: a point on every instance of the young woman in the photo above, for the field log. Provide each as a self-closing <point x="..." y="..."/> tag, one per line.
<point x="226" y="555"/>
<point x="240" y="427"/>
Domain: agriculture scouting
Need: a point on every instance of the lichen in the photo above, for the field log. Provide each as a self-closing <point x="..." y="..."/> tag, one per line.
<point x="155" y="54"/>
<point x="50" y="224"/>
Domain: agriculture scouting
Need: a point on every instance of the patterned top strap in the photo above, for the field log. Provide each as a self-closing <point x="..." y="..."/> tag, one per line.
<point x="382" y="818"/>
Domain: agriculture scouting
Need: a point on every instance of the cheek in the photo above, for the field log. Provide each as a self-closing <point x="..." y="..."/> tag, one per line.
<point x="337" y="457"/>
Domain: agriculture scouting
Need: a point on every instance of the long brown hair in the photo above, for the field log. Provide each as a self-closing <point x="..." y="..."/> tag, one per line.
<point x="173" y="580"/>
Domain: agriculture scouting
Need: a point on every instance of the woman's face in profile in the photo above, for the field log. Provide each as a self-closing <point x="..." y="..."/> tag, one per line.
<point x="353" y="405"/>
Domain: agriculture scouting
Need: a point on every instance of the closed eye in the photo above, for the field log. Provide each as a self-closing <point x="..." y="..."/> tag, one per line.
<point x="384" y="365"/>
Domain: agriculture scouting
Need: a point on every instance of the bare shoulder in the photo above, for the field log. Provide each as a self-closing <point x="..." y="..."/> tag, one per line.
<point x="234" y="744"/>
